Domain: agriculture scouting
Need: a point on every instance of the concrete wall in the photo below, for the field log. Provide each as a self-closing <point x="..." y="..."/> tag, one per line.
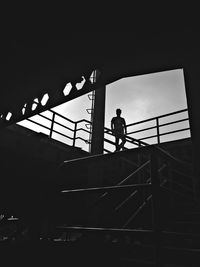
<point x="37" y="145"/>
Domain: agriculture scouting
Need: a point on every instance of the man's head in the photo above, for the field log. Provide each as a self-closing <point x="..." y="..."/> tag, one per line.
<point x="118" y="112"/>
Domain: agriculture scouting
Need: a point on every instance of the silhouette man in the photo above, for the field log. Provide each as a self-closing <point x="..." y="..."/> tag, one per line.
<point x="118" y="126"/>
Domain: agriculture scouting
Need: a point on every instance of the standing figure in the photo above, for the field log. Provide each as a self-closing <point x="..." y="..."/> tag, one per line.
<point x="118" y="126"/>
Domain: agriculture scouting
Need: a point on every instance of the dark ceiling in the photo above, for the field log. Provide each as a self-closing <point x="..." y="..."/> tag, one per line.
<point x="35" y="64"/>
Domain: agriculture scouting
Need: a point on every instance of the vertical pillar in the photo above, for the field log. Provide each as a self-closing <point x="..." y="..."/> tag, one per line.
<point x="156" y="207"/>
<point x="192" y="85"/>
<point x="97" y="142"/>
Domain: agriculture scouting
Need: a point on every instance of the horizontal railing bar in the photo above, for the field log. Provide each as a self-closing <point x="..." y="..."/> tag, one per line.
<point x="81" y="129"/>
<point x="175" y="131"/>
<point x="109" y="141"/>
<point x="173" y="122"/>
<point x="127" y="231"/>
<point x="135" y="172"/>
<point x="63" y="134"/>
<point x="173" y="113"/>
<point x="41" y="115"/>
<point x="106" y="188"/>
<point x="38" y="123"/>
<point x="83" y="120"/>
<point x="133" y="140"/>
<point x="155" y="127"/>
<point x="139" y="142"/>
<point x="148" y="137"/>
<point x="56" y="113"/>
<point x="161" y="134"/>
<point x="55" y="122"/>
<point x="82" y="139"/>
<point x="106" y="150"/>
<point x="49" y="129"/>
<point x="106" y="230"/>
<point x="142" y="130"/>
<point x="154" y="118"/>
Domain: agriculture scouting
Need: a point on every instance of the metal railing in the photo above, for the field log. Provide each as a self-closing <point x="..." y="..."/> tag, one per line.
<point x="137" y="132"/>
<point x="70" y="131"/>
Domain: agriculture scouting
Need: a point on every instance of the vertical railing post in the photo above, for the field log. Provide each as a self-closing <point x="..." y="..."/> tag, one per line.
<point x="156" y="206"/>
<point x="157" y="128"/>
<point x="75" y="129"/>
<point x="52" y="123"/>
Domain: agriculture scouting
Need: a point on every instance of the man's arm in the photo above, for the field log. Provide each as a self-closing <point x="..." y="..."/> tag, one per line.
<point x="112" y="125"/>
<point x="125" y="129"/>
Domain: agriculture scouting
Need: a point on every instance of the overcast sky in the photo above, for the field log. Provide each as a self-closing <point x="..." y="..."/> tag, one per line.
<point x="139" y="97"/>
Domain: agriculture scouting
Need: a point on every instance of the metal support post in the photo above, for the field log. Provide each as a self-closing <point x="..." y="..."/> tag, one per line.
<point x="52" y="123"/>
<point x="74" y="138"/>
<point x="156" y="209"/>
<point x="97" y="143"/>
<point x="158" y="133"/>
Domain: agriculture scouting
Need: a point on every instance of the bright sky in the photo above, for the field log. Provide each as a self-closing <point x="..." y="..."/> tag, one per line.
<point x="139" y="97"/>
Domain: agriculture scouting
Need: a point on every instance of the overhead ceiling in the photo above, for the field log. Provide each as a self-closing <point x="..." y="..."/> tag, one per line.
<point x="32" y="65"/>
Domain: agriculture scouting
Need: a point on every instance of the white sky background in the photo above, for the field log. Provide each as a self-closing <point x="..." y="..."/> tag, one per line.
<point x="139" y="97"/>
<point x="146" y="96"/>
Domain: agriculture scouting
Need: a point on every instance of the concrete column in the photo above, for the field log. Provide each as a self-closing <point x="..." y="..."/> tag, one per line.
<point x="192" y="84"/>
<point x="97" y="142"/>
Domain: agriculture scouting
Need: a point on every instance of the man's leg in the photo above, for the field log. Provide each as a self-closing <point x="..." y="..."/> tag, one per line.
<point x="117" y="143"/>
<point x="123" y="138"/>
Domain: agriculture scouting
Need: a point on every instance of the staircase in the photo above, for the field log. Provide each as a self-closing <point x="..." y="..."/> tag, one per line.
<point x="130" y="208"/>
<point x="124" y="220"/>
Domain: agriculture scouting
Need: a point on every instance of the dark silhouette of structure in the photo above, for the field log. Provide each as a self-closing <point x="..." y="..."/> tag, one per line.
<point x="33" y="67"/>
<point x="118" y="126"/>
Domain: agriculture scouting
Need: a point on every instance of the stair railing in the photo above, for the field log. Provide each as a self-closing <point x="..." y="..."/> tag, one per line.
<point x="75" y="128"/>
<point x="124" y="181"/>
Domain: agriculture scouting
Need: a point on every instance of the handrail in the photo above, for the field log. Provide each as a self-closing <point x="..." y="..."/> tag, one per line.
<point x="161" y="134"/>
<point x="129" y="139"/>
<point x="159" y="149"/>
<point x="107" y="230"/>
<point x="161" y="116"/>
<point x="130" y="196"/>
<point x="106" y="188"/>
<point x="160" y="125"/>
<point x="127" y="178"/>
<point x="135" y="172"/>
<point x="140" y="207"/>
